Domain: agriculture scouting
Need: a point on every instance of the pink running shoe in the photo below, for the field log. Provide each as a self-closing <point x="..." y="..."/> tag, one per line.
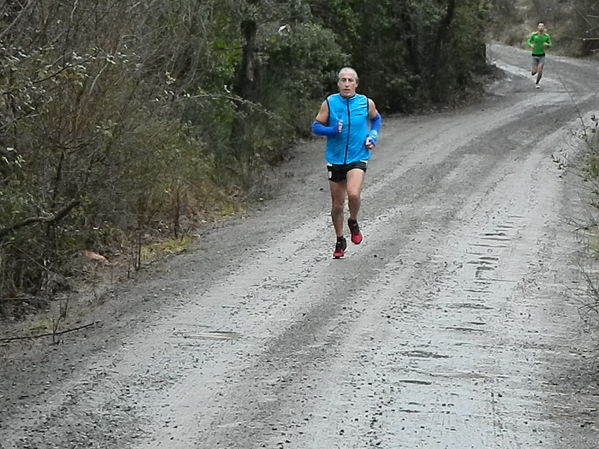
<point x="340" y="248"/>
<point x="356" y="235"/>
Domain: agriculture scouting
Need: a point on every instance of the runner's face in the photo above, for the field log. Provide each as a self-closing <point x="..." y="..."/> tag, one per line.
<point x="541" y="27"/>
<point x="347" y="84"/>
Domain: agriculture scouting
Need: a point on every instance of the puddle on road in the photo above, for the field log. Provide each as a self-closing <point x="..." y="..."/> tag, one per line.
<point x="415" y="382"/>
<point x="466" y="375"/>
<point x="496" y="235"/>
<point x="469" y="305"/>
<point x="207" y="335"/>
<point x="488" y="245"/>
<point x="472" y="290"/>
<point x="464" y="329"/>
<point x="482" y="262"/>
<point x="424" y="354"/>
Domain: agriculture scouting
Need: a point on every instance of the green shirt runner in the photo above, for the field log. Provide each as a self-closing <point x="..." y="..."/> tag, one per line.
<point x="537" y="40"/>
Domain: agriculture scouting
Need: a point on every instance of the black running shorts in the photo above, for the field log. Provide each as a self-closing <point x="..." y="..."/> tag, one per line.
<point x="338" y="173"/>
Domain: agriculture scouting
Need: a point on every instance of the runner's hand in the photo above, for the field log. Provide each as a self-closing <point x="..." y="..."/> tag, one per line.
<point x="370" y="143"/>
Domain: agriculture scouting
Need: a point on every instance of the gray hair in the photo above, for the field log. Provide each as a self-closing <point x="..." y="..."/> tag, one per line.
<point x="348" y="69"/>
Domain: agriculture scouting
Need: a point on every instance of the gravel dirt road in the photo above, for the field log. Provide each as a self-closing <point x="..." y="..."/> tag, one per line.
<point x="456" y="324"/>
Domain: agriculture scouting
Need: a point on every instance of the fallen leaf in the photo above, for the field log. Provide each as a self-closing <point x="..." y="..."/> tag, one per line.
<point x="94" y="256"/>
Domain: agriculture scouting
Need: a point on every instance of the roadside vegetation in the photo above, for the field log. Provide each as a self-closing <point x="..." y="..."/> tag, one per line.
<point x="125" y="123"/>
<point x="590" y="225"/>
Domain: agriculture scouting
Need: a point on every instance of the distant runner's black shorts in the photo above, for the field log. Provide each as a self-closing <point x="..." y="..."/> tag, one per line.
<point x="338" y="173"/>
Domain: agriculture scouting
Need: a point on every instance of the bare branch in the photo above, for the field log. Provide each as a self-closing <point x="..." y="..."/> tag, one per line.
<point x="50" y="334"/>
<point x="8" y="28"/>
<point x="51" y="218"/>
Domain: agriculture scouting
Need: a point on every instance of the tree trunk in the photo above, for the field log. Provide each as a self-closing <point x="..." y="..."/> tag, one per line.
<point x="245" y="86"/>
<point x="246" y="74"/>
<point x="439" y="55"/>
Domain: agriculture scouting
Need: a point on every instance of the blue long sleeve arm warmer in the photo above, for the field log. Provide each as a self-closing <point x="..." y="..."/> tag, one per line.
<point x="322" y="130"/>
<point x="376" y="123"/>
<point x="375" y="126"/>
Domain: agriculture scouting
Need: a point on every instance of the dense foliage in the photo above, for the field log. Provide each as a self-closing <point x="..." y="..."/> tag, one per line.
<point x="120" y="118"/>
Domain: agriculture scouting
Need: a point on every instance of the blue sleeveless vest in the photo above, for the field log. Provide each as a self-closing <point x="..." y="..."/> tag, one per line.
<point x="349" y="145"/>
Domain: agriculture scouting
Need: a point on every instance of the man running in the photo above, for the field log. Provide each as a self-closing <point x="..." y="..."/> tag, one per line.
<point x="539" y="40"/>
<point x="344" y="118"/>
